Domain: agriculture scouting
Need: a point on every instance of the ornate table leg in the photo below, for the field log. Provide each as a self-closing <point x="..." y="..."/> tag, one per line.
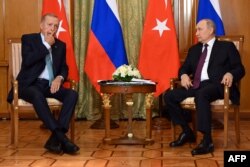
<point x="148" y="103"/>
<point x="107" y="106"/>
<point x="129" y="102"/>
<point x="129" y="138"/>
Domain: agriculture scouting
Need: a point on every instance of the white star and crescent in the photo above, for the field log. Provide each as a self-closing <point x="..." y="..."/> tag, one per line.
<point x="161" y="26"/>
<point x="60" y="4"/>
<point x="60" y="28"/>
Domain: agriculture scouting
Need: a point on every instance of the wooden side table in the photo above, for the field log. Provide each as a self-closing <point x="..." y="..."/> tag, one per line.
<point x="128" y="88"/>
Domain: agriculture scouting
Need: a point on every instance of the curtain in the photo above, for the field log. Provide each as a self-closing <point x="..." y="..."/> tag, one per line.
<point x="132" y="14"/>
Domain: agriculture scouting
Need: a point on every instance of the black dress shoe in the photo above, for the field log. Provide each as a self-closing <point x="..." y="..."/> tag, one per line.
<point x="183" y="138"/>
<point x="69" y="147"/>
<point x="203" y="148"/>
<point x="53" y="145"/>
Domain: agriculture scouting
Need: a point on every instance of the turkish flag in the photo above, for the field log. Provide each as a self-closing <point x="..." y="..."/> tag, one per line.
<point x="57" y="7"/>
<point x="159" y="57"/>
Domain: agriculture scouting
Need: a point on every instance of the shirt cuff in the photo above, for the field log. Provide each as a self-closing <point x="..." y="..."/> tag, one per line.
<point x="61" y="77"/>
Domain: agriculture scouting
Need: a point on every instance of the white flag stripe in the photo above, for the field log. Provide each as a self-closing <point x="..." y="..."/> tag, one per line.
<point x="216" y="6"/>
<point x="113" y="6"/>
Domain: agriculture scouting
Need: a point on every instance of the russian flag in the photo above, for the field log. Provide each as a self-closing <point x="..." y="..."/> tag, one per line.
<point x="210" y="9"/>
<point x="106" y="50"/>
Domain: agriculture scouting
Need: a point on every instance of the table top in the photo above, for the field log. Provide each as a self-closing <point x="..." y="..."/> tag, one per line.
<point x="126" y="87"/>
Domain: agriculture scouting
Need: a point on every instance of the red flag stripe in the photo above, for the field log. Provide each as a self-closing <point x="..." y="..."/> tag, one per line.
<point x="99" y="67"/>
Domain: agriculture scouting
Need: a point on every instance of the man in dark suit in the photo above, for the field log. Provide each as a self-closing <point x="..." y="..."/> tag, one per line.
<point x="39" y="78"/>
<point x="221" y="66"/>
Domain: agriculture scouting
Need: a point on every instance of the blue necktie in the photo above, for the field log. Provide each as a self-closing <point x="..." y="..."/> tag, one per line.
<point x="197" y="77"/>
<point x="49" y="68"/>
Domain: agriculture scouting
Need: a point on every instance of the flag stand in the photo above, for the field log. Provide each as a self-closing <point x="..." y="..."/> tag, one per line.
<point x="160" y="122"/>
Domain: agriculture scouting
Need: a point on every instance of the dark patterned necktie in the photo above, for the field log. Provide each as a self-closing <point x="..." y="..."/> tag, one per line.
<point x="197" y="77"/>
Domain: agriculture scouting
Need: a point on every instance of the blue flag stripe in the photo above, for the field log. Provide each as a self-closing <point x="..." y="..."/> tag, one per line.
<point x="206" y="10"/>
<point x="108" y="31"/>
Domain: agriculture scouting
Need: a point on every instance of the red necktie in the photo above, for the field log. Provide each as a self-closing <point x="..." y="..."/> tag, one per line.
<point x="197" y="77"/>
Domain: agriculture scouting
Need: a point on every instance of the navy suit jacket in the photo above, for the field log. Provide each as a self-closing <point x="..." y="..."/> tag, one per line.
<point x="33" y="60"/>
<point x="224" y="58"/>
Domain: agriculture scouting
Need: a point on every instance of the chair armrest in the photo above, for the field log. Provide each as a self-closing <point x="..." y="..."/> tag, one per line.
<point x="15" y="93"/>
<point x="174" y="82"/>
<point x="72" y="84"/>
<point x="226" y="96"/>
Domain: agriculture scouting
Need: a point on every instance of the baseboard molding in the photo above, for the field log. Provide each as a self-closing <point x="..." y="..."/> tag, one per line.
<point x="243" y="115"/>
<point x="25" y="115"/>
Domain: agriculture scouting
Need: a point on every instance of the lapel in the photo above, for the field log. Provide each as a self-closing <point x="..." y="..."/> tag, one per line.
<point x="213" y="52"/>
<point x="38" y="40"/>
<point x="198" y="52"/>
<point x="200" y="45"/>
<point x="55" y="54"/>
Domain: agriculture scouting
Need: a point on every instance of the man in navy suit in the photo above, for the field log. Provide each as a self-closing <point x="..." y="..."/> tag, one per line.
<point x="34" y="82"/>
<point x="222" y="66"/>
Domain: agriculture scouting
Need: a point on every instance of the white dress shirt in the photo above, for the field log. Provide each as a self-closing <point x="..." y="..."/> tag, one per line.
<point x="204" y="74"/>
<point x="45" y="73"/>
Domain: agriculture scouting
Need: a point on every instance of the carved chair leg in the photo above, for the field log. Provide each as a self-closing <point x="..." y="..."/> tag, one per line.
<point x="225" y="128"/>
<point x="12" y="130"/>
<point x="15" y="127"/>
<point x="237" y="124"/>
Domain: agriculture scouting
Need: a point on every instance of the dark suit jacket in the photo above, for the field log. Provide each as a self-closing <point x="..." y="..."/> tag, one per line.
<point x="33" y="60"/>
<point x="224" y="58"/>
